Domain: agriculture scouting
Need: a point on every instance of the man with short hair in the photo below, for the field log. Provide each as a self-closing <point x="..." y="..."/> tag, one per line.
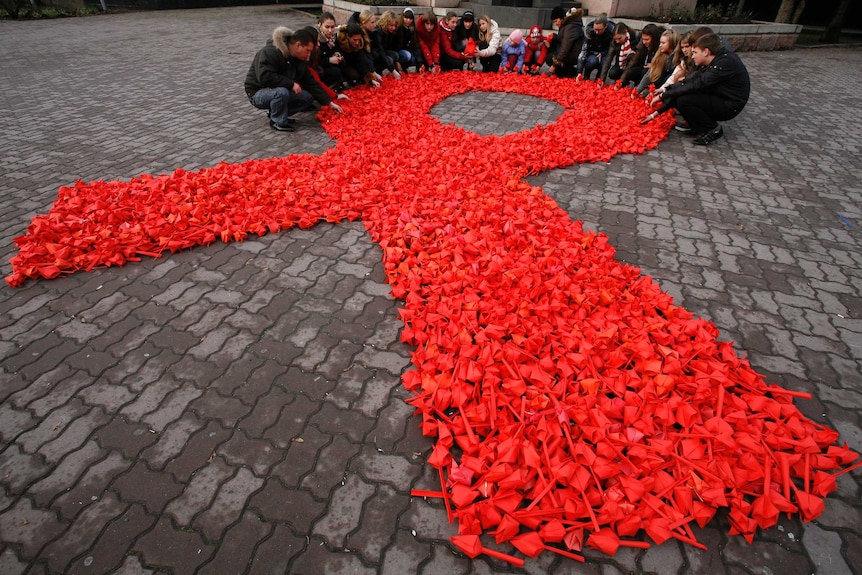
<point x="598" y="36"/>
<point x="279" y="80"/>
<point x="717" y="91"/>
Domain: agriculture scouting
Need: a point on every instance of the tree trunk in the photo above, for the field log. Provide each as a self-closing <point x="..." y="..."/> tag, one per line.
<point x="833" y="31"/>
<point x="740" y="6"/>
<point x="788" y="10"/>
<point x="797" y="14"/>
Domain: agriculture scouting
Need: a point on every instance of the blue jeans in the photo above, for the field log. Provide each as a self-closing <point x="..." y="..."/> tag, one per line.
<point x="281" y="103"/>
<point x="591" y="63"/>
<point x="406" y="59"/>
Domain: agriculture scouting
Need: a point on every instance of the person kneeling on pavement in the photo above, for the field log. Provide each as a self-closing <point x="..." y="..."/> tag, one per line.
<point x="717" y="90"/>
<point x="279" y="79"/>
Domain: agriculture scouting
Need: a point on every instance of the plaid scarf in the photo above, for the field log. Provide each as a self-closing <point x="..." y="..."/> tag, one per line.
<point x="625" y="51"/>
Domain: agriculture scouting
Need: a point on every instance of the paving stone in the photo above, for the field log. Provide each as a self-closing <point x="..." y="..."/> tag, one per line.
<point x="130" y="438"/>
<point x="292" y="419"/>
<point x="91" y="486"/>
<point x="15" y="421"/>
<point x="297" y="507"/>
<point x="318" y="558"/>
<point x="64" y="475"/>
<point x="762" y="555"/>
<point x="19" y="470"/>
<point x="345" y="509"/>
<point x="82" y="533"/>
<point x="152" y="489"/>
<point x="212" y="405"/>
<point x="273" y="554"/>
<point x="60" y="391"/>
<point x="29" y="528"/>
<point x="171" y="440"/>
<point x="330" y="468"/>
<point x="302" y="456"/>
<point x="228" y="504"/>
<point x="406" y="555"/>
<point x="824" y="548"/>
<point x="332" y="420"/>
<point x="198" y="495"/>
<point x="444" y="561"/>
<point x="380" y="513"/>
<point x="164" y="546"/>
<point x="665" y="558"/>
<point x="380" y="468"/>
<point x="198" y="451"/>
<point x="257" y="454"/>
<point x="239" y="545"/>
<point x="10" y="564"/>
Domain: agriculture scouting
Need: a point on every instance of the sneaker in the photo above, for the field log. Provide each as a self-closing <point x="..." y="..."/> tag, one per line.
<point x="710" y="136"/>
<point x="285" y="128"/>
<point x="684" y="128"/>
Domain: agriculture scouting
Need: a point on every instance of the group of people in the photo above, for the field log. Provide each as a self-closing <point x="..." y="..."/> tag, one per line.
<point x="696" y="73"/>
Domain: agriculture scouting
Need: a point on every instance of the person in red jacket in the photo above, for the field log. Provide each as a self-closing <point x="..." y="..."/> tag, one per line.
<point x="429" y="40"/>
<point x="450" y="58"/>
<point x="537" y="51"/>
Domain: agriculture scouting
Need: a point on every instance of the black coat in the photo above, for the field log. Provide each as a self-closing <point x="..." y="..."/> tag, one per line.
<point x="272" y="69"/>
<point x="725" y="77"/>
<point x="571" y="36"/>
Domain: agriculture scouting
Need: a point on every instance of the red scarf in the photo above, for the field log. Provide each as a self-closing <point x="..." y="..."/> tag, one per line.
<point x="625" y="51"/>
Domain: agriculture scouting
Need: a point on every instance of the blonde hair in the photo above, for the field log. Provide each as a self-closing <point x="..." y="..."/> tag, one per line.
<point x="365" y="16"/>
<point x="486" y="35"/>
<point x="387" y="18"/>
<point x="660" y="60"/>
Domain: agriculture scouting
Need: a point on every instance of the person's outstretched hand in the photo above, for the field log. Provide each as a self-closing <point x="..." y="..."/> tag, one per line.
<point x="649" y="118"/>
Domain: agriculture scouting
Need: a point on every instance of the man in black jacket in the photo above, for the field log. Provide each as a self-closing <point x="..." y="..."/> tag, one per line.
<point x="279" y="79"/>
<point x="598" y="36"/>
<point x="716" y="91"/>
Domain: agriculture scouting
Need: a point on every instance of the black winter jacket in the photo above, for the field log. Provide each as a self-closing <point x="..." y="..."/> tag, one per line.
<point x="725" y="77"/>
<point x="273" y="67"/>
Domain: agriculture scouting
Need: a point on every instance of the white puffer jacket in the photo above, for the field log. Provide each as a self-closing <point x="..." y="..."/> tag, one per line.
<point x="493" y="43"/>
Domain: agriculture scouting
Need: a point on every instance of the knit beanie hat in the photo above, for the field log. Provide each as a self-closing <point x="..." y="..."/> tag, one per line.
<point x="516" y="37"/>
<point x="558" y="12"/>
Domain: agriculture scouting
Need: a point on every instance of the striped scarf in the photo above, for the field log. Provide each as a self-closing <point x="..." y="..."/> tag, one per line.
<point x="625" y="51"/>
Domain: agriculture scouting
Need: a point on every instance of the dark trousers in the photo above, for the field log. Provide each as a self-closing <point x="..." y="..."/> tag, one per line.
<point x="567" y="71"/>
<point x="703" y="112"/>
<point x="491" y="64"/>
<point x="447" y="63"/>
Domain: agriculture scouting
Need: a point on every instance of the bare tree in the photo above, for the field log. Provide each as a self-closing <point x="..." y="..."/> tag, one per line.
<point x="833" y="30"/>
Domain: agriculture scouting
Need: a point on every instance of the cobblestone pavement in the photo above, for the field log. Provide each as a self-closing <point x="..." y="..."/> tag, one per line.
<point x="237" y="408"/>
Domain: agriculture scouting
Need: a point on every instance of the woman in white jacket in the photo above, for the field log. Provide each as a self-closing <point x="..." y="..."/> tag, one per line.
<point x="489" y="44"/>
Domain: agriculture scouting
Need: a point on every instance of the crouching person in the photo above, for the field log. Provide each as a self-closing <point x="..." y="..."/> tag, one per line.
<point x="717" y="90"/>
<point x="279" y="80"/>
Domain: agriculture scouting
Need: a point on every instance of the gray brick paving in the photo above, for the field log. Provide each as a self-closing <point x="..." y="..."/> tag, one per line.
<point x="237" y="408"/>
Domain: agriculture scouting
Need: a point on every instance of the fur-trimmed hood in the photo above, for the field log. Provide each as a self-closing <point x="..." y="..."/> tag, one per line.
<point x="280" y="38"/>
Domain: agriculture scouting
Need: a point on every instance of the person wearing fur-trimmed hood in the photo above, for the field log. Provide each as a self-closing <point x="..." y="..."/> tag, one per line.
<point x="571" y="37"/>
<point x="279" y="80"/>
